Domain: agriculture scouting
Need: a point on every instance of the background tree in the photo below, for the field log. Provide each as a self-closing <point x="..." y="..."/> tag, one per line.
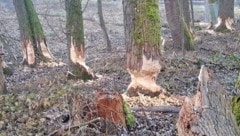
<point x="34" y="47"/>
<point x="75" y="41"/>
<point x="192" y="13"/>
<point x="178" y="23"/>
<point x="143" y="41"/>
<point x="102" y="24"/>
<point x="186" y="11"/>
<point x="3" y="89"/>
<point x="225" y="15"/>
<point x="213" y="11"/>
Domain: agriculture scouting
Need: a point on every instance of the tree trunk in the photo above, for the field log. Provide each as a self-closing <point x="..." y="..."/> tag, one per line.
<point x="192" y="13"/>
<point x="75" y="41"/>
<point x="208" y="113"/>
<point x="143" y="41"/>
<point x="102" y="24"/>
<point x="212" y="6"/>
<point x="3" y="89"/>
<point x="34" y="47"/>
<point x="186" y="12"/>
<point x="225" y="15"/>
<point x="176" y="22"/>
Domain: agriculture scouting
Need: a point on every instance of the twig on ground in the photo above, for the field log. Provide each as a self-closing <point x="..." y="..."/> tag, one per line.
<point x="75" y="126"/>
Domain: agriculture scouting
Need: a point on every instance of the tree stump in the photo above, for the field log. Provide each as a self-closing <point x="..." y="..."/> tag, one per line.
<point x="110" y="107"/>
<point x="208" y="113"/>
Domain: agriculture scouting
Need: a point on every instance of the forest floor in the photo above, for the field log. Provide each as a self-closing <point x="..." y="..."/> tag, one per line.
<point x="41" y="99"/>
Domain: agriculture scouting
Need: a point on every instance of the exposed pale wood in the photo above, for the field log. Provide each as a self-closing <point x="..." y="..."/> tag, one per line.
<point x="225" y="15"/>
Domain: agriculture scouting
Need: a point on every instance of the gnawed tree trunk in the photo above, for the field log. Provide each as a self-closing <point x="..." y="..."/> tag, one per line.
<point x="225" y="15"/>
<point x="75" y="41"/>
<point x="102" y="24"/>
<point x="208" y="113"/>
<point x="34" y="47"/>
<point x="176" y="22"/>
<point x="3" y="89"/>
<point x="143" y="41"/>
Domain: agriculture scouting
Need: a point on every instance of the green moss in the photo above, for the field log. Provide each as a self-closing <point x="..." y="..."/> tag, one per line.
<point x="189" y="37"/>
<point x="147" y="24"/>
<point x="238" y="82"/>
<point x="130" y="119"/>
<point x="236" y="108"/>
<point x="34" y="21"/>
<point x="75" y="22"/>
<point x="7" y="71"/>
<point x="79" y="72"/>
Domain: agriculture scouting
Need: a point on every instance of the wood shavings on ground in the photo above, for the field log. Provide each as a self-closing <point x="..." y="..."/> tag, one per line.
<point x="142" y="100"/>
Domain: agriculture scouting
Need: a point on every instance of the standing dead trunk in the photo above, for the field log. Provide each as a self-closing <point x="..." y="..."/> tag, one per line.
<point x="75" y="41"/>
<point x="225" y="15"/>
<point x="102" y="24"/>
<point x="208" y="113"/>
<point x="34" y="47"/>
<point x="177" y="22"/>
<point x="143" y="41"/>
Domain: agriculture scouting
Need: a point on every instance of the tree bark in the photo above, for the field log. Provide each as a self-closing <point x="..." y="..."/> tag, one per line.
<point x="75" y="41"/>
<point x="102" y="24"/>
<point x="186" y="12"/>
<point x="177" y="23"/>
<point x="192" y="13"/>
<point x="3" y="89"/>
<point x="208" y="113"/>
<point x="225" y="15"/>
<point x="34" y="47"/>
<point x="143" y="41"/>
<point x="213" y="9"/>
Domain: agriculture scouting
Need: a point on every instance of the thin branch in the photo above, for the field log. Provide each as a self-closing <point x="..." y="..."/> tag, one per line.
<point x="85" y="6"/>
<point x="75" y="126"/>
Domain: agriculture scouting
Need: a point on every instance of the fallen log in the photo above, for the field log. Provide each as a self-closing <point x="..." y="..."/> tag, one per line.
<point x="208" y="113"/>
<point x="163" y="109"/>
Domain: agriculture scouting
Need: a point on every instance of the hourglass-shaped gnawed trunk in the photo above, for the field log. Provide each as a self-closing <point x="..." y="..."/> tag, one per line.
<point x="225" y="15"/>
<point x="75" y="41"/>
<point x="34" y="47"/>
<point x="143" y="41"/>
